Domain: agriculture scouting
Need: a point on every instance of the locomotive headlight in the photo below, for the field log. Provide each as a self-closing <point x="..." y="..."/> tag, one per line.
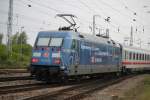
<point x="62" y="67"/>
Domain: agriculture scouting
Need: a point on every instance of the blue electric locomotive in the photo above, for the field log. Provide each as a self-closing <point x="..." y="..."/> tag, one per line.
<point x="67" y="53"/>
<point x="64" y="54"/>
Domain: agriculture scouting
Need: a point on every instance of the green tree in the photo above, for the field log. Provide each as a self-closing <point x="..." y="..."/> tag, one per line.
<point x="22" y="38"/>
<point x="15" y="38"/>
<point x="1" y="38"/>
<point x="3" y="52"/>
<point x="19" y="38"/>
<point x="21" y="52"/>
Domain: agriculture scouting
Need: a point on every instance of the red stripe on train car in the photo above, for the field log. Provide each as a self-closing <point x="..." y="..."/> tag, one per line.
<point x="134" y="63"/>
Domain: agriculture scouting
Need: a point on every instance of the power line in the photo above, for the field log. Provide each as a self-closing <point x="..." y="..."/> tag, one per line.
<point x="116" y="10"/>
<point x="129" y="9"/>
<point x="26" y="4"/>
<point x="84" y="4"/>
<point x="45" y="6"/>
<point x="23" y="16"/>
<point x="94" y="11"/>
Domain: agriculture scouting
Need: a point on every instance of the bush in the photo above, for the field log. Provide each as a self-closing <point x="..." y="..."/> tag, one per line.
<point x="16" y="60"/>
<point x="3" y="53"/>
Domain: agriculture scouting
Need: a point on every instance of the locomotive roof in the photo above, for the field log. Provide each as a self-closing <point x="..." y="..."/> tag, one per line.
<point x="77" y="35"/>
<point x="97" y="39"/>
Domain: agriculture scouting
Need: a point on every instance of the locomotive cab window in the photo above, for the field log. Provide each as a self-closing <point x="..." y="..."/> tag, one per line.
<point x="74" y="44"/>
<point x="56" y="42"/>
<point x="43" y="41"/>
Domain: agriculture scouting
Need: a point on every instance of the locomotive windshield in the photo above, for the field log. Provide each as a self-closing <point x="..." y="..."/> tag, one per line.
<point x="43" y="41"/>
<point x="56" y="42"/>
<point x="47" y="41"/>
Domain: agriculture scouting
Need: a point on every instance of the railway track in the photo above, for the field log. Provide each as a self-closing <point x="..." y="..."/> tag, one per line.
<point x="4" y="79"/>
<point x="25" y="87"/>
<point x="80" y="91"/>
<point x="56" y="91"/>
<point x="30" y="90"/>
<point x="34" y="86"/>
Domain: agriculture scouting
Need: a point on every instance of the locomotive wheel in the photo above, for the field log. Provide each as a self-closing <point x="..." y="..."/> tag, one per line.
<point x="64" y="79"/>
<point x="38" y="77"/>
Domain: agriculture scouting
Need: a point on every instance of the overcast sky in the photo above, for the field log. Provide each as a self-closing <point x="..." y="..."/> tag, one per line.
<point x="41" y="16"/>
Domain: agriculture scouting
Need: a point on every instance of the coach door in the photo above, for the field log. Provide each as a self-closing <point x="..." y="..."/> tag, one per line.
<point x="75" y="49"/>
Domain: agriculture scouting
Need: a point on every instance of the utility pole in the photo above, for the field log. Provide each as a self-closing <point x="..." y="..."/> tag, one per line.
<point x="107" y="32"/>
<point x="148" y="44"/>
<point x="94" y="16"/>
<point x="140" y="42"/>
<point x="21" y="53"/>
<point x="131" y="36"/>
<point x="107" y="29"/>
<point x="9" y="27"/>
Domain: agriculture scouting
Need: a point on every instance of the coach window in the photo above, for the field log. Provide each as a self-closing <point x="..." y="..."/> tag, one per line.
<point x="133" y="56"/>
<point x="137" y="56"/>
<point x="130" y="55"/>
<point x="124" y="54"/>
<point x="142" y="56"/>
<point x="145" y="56"/>
<point x="127" y="55"/>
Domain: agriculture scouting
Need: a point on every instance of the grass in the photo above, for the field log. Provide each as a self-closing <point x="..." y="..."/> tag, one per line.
<point x="3" y="66"/>
<point x="140" y="92"/>
<point x="145" y="95"/>
<point x="14" y="65"/>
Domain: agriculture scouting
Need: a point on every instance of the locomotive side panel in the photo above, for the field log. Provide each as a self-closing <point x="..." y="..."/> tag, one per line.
<point x="97" y="57"/>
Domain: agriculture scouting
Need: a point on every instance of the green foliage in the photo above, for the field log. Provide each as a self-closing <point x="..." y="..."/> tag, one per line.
<point x="19" y="38"/>
<point x="3" y="53"/>
<point x="21" y="53"/>
<point x="1" y="38"/>
<point x="22" y="38"/>
<point x="15" y="38"/>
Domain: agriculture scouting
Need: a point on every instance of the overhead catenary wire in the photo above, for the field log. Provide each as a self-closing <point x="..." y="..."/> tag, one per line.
<point x="45" y="6"/>
<point x="89" y="8"/>
<point x="21" y="3"/>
